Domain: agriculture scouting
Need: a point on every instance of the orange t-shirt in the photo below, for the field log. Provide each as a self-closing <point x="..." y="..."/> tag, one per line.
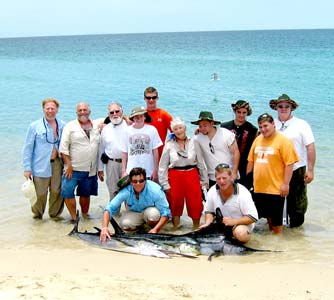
<point x="161" y="121"/>
<point x="270" y="157"/>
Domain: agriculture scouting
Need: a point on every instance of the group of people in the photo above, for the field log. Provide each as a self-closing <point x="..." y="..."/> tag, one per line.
<point x="245" y="172"/>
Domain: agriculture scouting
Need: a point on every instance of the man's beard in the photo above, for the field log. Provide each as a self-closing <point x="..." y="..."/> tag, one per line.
<point x="116" y="121"/>
<point x="83" y="119"/>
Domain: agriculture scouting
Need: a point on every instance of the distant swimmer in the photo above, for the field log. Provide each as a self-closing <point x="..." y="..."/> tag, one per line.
<point x="214" y="76"/>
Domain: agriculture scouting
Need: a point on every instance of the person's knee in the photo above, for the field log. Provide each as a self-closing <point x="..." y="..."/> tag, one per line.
<point x="151" y="215"/>
<point x="241" y="233"/>
<point x="127" y="224"/>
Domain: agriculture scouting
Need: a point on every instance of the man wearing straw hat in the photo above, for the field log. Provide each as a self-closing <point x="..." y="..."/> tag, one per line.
<point x="300" y="133"/>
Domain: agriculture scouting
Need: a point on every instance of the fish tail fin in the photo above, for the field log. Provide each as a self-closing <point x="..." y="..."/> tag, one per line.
<point x="117" y="228"/>
<point x="76" y="224"/>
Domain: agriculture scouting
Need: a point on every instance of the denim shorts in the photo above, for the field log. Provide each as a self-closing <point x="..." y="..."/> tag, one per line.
<point x="86" y="185"/>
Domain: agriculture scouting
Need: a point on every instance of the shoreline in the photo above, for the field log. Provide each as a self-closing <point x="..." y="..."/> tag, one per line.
<point x="92" y="273"/>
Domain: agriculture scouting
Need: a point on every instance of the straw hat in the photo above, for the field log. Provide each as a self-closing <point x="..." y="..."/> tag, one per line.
<point x="284" y="98"/>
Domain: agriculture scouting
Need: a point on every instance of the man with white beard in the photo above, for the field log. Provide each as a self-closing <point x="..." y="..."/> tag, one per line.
<point x="110" y="154"/>
<point x="79" y="148"/>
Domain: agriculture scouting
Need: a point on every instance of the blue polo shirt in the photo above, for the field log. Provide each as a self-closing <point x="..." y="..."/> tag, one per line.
<point x="152" y="195"/>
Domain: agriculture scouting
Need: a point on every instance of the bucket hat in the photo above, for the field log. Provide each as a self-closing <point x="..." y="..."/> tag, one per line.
<point x="284" y="98"/>
<point x="140" y="110"/>
<point x="205" y="115"/>
<point x="242" y="104"/>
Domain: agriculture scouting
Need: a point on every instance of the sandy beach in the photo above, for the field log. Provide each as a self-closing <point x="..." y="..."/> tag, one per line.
<point x="92" y="273"/>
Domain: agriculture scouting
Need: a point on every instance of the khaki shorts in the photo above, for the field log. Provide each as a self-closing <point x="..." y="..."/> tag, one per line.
<point x="132" y="220"/>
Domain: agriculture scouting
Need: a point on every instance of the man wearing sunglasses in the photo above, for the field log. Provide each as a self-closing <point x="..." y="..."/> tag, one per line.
<point x="160" y="118"/>
<point x="300" y="133"/>
<point x="110" y="154"/>
<point x="217" y="145"/>
<point x="41" y="160"/>
<point x="146" y="203"/>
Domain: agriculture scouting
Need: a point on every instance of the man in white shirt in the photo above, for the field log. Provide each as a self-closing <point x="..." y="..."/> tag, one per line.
<point x="110" y="154"/>
<point x="300" y="133"/>
<point x="234" y="201"/>
<point x="79" y="149"/>
<point x="217" y="145"/>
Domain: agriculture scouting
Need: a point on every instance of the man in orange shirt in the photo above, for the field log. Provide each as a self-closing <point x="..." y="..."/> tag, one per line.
<point x="271" y="157"/>
<point x="160" y="118"/>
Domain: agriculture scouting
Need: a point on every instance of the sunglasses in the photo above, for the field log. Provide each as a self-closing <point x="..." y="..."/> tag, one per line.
<point x="135" y="181"/>
<point x="114" y="112"/>
<point x="151" y="98"/>
<point x="212" y="149"/>
<point x="222" y="166"/>
<point x="283" y="106"/>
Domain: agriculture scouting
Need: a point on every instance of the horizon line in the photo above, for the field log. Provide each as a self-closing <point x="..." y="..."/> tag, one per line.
<point x="133" y="33"/>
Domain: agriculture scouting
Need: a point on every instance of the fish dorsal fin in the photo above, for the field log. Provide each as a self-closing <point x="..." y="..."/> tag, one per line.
<point x="117" y="228"/>
<point x="219" y="215"/>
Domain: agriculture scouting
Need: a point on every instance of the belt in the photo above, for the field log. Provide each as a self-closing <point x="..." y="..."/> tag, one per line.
<point x="185" y="167"/>
<point x="119" y="160"/>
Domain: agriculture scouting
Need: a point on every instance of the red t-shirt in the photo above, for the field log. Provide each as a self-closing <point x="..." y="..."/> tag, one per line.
<point x="161" y="121"/>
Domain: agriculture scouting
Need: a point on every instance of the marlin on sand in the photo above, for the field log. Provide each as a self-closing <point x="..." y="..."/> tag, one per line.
<point x="207" y="241"/>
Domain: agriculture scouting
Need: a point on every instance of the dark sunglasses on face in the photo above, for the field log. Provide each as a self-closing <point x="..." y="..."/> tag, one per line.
<point x="114" y="112"/>
<point x="135" y="181"/>
<point x="283" y="106"/>
<point x="151" y="98"/>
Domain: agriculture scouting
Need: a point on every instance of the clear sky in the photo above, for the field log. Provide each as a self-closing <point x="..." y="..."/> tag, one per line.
<point x="68" y="17"/>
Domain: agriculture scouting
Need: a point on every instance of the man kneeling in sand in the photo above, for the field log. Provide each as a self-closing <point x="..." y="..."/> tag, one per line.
<point x="235" y="202"/>
<point x="146" y="203"/>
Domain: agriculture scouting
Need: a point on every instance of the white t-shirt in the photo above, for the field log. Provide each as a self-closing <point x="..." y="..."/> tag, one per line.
<point x="111" y="141"/>
<point x="221" y="146"/>
<point x="139" y="144"/>
<point x="238" y="205"/>
<point x="300" y="133"/>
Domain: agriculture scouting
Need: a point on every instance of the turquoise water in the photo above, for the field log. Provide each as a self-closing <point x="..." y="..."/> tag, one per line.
<point x="252" y="65"/>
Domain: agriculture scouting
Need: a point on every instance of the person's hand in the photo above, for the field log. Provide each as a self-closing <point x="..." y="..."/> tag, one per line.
<point x="153" y="230"/>
<point x="101" y="175"/>
<point x="227" y="221"/>
<point x="68" y="171"/>
<point x="235" y="175"/>
<point x="154" y="176"/>
<point x="203" y="226"/>
<point x="284" y="190"/>
<point x="105" y="234"/>
<point x="27" y="174"/>
<point x="309" y="176"/>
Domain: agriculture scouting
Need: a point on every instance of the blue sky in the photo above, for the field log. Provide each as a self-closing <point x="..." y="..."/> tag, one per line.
<point x="68" y="17"/>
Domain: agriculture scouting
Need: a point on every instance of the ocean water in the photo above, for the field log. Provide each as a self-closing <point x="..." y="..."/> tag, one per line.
<point x="252" y="65"/>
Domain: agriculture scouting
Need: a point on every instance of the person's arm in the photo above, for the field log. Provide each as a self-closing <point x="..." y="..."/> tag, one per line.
<point x="154" y="175"/>
<point x="105" y="233"/>
<point x="160" y="224"/>
<point x="310" y="150"/>
<point x="124" y="163"/>
<point x="244" y="220"/>
<point x="208" y="220"/>
<point x="236" y="158"/>
<point x="27" y="153"/>
<point x="284" y="189"/>
<point x="163" y="168"/>
<point x="250" y="167"/>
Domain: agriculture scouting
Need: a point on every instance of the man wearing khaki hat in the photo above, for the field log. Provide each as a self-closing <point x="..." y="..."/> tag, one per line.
<point x="139" y="144"/>
<point x="300" y="133"/>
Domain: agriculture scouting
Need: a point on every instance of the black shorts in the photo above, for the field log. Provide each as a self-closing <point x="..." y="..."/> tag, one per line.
<point x="270" y="206"/>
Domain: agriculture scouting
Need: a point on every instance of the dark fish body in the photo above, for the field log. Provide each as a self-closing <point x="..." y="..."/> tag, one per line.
<point x="206" y="241"/>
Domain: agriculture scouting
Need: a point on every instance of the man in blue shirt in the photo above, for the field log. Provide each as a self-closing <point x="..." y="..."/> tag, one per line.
<point x="146" y="203"/>
<point x="42" y="162"/>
